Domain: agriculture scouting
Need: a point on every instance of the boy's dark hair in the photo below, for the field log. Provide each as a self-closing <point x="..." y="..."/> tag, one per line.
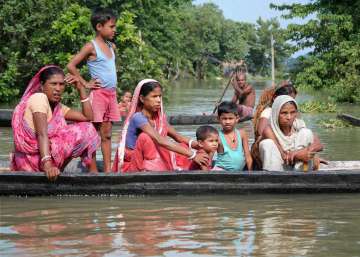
<point x="227" y="107"/>
<point x="101" y="15"/>
<point x="203" y="132"/>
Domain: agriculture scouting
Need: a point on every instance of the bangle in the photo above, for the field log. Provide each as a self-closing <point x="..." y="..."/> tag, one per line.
<point x="190" y="142"/>
<point x="85" y="100"/>
<point x="193" y="155"/>
<point x="45" y="158"/>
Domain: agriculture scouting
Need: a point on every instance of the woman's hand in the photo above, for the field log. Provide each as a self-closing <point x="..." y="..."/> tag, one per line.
<point x="202" y="159"/>
<point x="288" y="157"/>
<point x="51" y="171"/>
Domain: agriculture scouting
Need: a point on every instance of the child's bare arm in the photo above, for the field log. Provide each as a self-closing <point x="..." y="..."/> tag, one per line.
<point x="81" y="56"/>
<point x="245" y="144"/>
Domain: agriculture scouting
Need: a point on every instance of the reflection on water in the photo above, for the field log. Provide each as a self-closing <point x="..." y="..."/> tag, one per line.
<point x="191" y="97"/>
<point x="258" y="225"/>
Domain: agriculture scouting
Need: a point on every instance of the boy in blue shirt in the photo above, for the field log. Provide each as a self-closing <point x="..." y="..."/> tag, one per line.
<point x="233" y="151"/>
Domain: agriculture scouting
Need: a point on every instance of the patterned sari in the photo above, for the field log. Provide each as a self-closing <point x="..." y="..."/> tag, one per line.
<point x="65" y="141"/>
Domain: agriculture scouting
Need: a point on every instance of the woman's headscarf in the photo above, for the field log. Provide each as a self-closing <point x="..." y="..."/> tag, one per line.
<point x="287" y="142"/>
<point x="17" y="122"/>
<point x="160" y="120"/>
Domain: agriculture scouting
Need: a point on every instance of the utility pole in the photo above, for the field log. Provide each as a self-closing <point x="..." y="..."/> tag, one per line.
<point x="272" y="60"/>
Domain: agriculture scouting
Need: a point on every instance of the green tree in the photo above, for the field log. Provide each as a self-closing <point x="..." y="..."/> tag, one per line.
<point x="333" y="33"/>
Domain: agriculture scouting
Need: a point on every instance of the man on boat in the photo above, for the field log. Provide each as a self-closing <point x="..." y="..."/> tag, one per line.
<point x="244" y="95"/>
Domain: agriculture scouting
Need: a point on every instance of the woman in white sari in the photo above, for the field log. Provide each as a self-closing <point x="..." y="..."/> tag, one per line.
<point x="285" y="146"/>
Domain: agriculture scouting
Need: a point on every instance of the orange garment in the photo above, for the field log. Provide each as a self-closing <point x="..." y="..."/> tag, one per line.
<point x="39" y="102"/>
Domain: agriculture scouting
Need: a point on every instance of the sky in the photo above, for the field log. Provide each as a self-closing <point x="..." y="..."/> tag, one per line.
<point x="251" y="10"/>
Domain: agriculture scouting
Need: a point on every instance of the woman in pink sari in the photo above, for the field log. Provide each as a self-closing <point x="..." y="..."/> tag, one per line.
<point x="144" y="145"/>
<point x="43" y="140"/>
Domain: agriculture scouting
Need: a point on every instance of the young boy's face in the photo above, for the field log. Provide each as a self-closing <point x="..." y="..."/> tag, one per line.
<point x="228" y="121"/>
<point x="108" y="29"/>
<point x="127" y="97"/>
<point x="210" y="144"/>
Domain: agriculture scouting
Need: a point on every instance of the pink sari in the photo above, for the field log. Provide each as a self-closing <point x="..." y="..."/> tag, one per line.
<point x="66" y="141"/>
<point x="147" y="155"/>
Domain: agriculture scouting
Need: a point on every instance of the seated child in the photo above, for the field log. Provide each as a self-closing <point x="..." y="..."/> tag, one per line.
<point x="233" y="150"/>
<point x="124" y="104"/>
<point x="208" y="141"/>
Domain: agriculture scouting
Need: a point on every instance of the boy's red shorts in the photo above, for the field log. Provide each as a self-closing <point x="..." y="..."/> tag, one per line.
<point x="104" y="105"/>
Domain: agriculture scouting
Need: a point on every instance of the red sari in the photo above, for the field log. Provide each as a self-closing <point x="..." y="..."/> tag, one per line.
<point x="147" y="155"/>
<point x="66" y="141"/>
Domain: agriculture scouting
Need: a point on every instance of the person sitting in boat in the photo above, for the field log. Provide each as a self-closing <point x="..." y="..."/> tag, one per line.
<point x="285" y="146"/>
<point x="244" y="95"/>
<point x="208" y="140"/>
<point x="263" y="109"/>
<point x="233" y="151"/>
<point x="144" y="144"/>
<point x="43" y="141"/>
<point x="124" y="104"/>
<point x="263" y="114"/>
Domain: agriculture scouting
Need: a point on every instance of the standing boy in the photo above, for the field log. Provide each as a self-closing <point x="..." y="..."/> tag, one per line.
<point x="100" y="57"/>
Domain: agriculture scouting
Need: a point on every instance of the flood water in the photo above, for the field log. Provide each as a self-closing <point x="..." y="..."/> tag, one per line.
<point x="250" y="225"/>
<point x="246" y="225"/>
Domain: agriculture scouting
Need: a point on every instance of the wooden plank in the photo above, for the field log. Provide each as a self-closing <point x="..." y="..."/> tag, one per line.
<point x="6" y="114"/>
<point x="74" y="182"/>
<point x="173" y="183"/>
<point x="349" y="118"/>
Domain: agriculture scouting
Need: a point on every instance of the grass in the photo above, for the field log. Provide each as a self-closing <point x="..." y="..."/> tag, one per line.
<point x="334" y="123"/>
<point x="317" y="107"/>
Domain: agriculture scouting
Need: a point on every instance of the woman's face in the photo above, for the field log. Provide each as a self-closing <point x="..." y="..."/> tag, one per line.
<point x="152" y="102"/>
<point x="287" y="115"/>
<point x="54" y="87"/>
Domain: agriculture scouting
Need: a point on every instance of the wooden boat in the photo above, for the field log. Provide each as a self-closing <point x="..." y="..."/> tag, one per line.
<point x="6" y="114"/>
<point x="334" y="178"/>
<point x="349" y="118"/>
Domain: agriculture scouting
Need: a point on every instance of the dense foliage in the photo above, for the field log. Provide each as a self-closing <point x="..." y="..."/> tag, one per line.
<point x="164" y="39"/>
<point x="333" y="34"/>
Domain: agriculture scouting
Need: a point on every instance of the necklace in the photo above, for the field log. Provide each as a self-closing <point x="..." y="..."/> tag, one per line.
<point x="233" y="138"/>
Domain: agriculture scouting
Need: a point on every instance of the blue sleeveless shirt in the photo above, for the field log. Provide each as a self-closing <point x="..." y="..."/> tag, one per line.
<point x="103" y="67"/>
<point x="231" y="160"/>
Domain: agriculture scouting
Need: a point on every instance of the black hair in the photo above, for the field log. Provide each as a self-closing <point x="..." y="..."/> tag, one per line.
<point x="148" y="87"/>
<point x="286" y="88"/>
<point x="227" y="107"/>
<point x="47" y="73"/>
<point x="204" y="131"/>
<point x="101" y="15"/>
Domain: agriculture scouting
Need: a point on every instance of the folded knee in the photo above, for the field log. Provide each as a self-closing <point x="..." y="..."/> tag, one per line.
<point x="266" y="144"/>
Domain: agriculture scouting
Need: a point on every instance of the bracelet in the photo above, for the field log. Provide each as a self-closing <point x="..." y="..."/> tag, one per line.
<point x="190" y="142"/>
<point x="85" y="100"/>
<point x="45" y="158"/>
<point x="192" y="156"/>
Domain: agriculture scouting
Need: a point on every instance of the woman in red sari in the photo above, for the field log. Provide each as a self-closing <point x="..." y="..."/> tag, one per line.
<point x="144" y="143"/>
<point x="43" y="140"/>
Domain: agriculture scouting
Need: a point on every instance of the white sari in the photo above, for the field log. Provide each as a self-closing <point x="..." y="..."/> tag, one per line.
<point x="299" y="138"/>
